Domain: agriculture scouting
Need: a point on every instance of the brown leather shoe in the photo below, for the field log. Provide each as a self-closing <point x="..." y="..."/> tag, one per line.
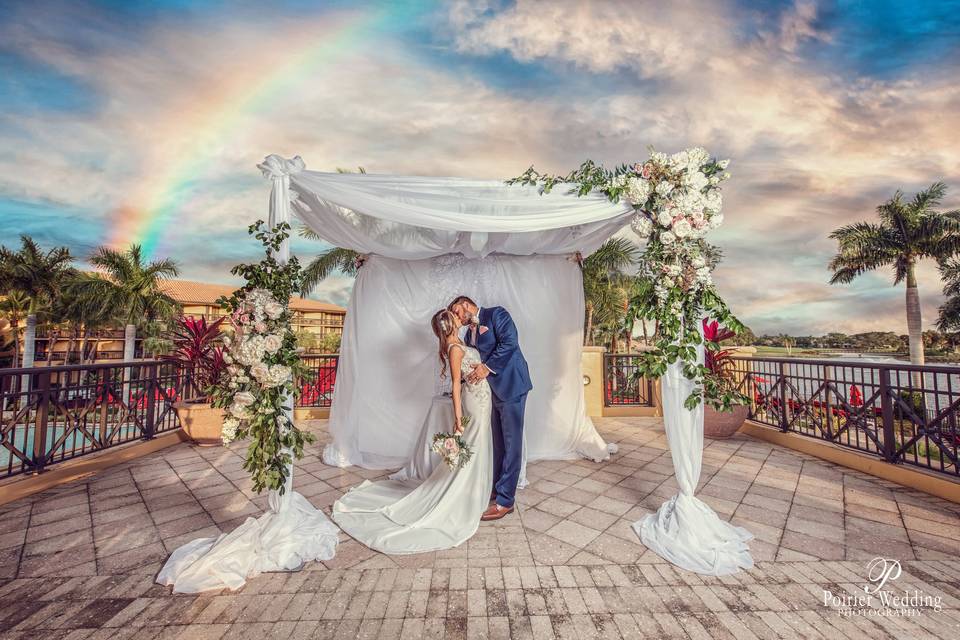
<point x="495" y="512"/>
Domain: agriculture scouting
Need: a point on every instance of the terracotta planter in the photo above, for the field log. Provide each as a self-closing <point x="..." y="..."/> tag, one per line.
<point x="201" y="422"/>
<point x="723" y="424"/>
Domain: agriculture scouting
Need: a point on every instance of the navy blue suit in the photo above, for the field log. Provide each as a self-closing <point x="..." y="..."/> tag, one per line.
<point x="509" y="381"/>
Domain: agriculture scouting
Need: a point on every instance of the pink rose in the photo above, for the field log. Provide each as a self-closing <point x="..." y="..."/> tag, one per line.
<point x="646" y="170"/>
<point x="244" y="318"/>
<point x="450" y="445"/>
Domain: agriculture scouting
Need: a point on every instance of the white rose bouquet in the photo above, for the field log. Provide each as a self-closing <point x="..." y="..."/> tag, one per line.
<point x="676" y="201"/>
<point x="258" y="388"/>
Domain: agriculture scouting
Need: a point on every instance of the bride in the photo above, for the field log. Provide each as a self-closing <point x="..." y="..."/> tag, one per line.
<point x="401" y="516"/>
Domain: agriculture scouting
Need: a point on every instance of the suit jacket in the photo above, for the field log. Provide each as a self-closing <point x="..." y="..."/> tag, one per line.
<point x="499" y="349"/>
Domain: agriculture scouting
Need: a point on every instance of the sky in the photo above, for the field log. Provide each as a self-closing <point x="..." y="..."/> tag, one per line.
<point x="143" y="122"/>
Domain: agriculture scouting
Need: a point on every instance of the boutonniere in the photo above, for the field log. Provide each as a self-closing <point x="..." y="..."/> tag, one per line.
<point x="483" y="329"/>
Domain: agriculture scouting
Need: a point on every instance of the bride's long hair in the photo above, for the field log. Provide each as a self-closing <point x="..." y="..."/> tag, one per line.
<point x="443" y="326"/>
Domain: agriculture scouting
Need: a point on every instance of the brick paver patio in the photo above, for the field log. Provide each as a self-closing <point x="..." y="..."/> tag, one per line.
<point x="78" y="561"/>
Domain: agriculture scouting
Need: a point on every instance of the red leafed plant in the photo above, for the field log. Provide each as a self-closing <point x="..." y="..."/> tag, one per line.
<point x="198" y="347"/>
<point x="718" y="362"/>
<point x="856" y="397"/>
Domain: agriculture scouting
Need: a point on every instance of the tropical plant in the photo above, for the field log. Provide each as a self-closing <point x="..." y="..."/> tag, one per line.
<point x="128" y="288"/>
<point x="335" y="259"/>
<point x="722" y="369"/>
<point x="907" y="232"/>
<point x="15" y="306"/>
<point x="329" y="343"/>
<point x="605" y="283"/>
<point x="949" y="312"/>
<point x="40" y="276"/>
<point x="198" y="348"/>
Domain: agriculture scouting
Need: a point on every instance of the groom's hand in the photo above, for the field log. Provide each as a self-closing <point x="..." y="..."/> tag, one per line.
<point x="479" y="372"/>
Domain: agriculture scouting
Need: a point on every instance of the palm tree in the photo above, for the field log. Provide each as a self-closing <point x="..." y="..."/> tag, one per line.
<point x="14" y="307"/>
<point x="605" y="284"/>
<point x="334" y="259"/>
<point x="128" y="290"/>
<point x="908" y="231"/>
<point x="949" y="318"/>
<point x="41" y="277"/>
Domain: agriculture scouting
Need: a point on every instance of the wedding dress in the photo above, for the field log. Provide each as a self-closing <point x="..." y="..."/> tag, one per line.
<point x="409" y="516"/>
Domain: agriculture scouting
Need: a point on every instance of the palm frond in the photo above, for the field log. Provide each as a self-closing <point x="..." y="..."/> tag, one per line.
<point x="322" y="266"/>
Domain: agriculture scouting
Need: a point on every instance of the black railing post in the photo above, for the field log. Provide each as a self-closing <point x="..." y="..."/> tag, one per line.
<point x="605" y="359"/>
<point x="41" y="422"/>
<point x="784" y="416"/>
<point x="150" y="389"/>
<point x="886" y="409"/>
<point x="827" y="379"/>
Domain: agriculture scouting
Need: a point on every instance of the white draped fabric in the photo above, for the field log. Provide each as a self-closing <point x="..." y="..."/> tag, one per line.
<point x="685" y="530"/>
<point x="411" y="218"/>
<point x="389" y="368"/>
<point x="292" y="531"/>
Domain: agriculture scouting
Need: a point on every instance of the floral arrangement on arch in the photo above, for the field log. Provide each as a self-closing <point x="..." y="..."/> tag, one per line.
<point x="262" y="364"/>
<point x="677" y="201"/>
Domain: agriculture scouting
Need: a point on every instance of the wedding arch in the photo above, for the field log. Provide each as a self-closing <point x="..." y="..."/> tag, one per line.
<point x="509" y="243"/>
<point x="503" y="243"/>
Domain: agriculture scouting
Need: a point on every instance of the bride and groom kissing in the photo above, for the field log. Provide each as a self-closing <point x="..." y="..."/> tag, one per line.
<point x="490" y="382"/>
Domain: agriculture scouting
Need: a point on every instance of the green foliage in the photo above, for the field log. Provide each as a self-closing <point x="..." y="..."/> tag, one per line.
<point x="274" y="439"/>
<point x="672" y="287"/>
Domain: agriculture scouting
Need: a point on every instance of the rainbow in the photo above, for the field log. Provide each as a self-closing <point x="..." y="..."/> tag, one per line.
<point x="150" y="209"/>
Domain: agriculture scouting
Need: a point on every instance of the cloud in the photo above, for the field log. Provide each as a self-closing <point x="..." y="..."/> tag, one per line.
<point x="175" y="110"/>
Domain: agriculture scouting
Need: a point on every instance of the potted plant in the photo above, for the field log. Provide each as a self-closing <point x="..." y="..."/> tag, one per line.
<point x="724" y="416"/>
<point x="198" y="350"/>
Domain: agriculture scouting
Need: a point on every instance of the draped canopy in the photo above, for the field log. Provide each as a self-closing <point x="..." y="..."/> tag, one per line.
<point x="413" y="217"/>
<point x="430" y="239"/>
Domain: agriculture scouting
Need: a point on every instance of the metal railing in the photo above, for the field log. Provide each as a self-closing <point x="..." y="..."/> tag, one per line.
<point x="52" y="414"/>
<point x="318" y="392"/>
<point x="622" y="384"/>
<point x="901" y="413"/>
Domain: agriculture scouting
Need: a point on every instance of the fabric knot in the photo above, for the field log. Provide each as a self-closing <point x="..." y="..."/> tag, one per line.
<point x="274" y="166"/>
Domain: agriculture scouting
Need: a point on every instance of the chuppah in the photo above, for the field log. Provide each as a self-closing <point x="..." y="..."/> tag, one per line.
<point x="517" y="245"/>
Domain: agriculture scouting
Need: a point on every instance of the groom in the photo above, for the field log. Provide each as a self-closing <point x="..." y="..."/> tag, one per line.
<point x="492" y="332"/>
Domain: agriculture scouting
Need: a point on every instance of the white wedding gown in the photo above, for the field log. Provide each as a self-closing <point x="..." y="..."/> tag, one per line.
<point x="406" y="516"/>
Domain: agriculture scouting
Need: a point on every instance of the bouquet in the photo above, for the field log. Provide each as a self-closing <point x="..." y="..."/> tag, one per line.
<point x="451" y="447"/>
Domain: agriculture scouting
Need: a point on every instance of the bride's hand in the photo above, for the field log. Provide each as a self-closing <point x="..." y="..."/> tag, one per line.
<point x="458" y="428"/>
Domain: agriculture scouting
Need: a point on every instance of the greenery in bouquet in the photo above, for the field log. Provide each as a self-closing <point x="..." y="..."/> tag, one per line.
<point x="676" y="201"/>
<point x="451" y="447"/>
<point x="263" y="361"/>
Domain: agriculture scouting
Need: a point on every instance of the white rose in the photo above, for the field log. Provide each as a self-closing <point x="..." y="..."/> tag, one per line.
<point x="664" y="188"/>
<point x="682" y="228"/>
<point x="260" y="326"/>
<point x="667" y="238"/>
<point x="272" y="343"/>
<point x="260" y="371"/>
<point x="238" y="411"/>
<point x="665" y="217"/>
<point x="716" y="220"/>
<point x="273" y="310"/>
<point x="244" y="399"/>
<point x="698" y="262"/>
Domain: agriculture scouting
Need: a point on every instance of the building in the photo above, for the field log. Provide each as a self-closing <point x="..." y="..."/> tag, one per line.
<point x="196" y="298"/>
<point x="200" y="299"/>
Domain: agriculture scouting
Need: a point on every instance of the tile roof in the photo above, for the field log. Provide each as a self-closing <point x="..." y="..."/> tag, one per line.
<point x="191" y="292"/>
